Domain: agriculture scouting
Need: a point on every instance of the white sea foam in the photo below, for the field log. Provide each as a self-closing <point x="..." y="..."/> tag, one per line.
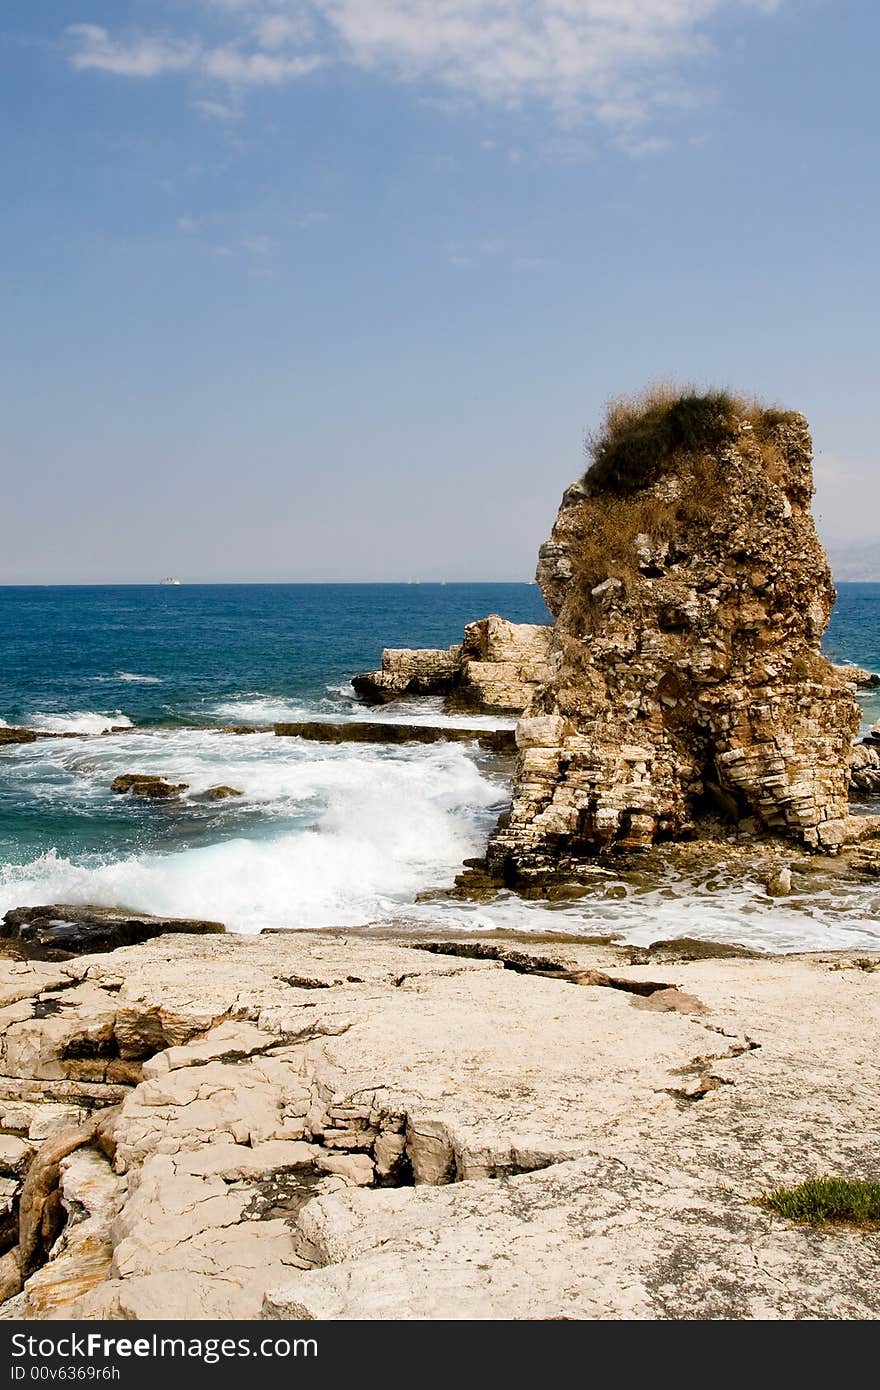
<point x="745" y="917"/>
<point x="344" y="690"/>
<point x="78" y="722"/>
<point x="349" y="834"/>
<point x="261" y="709"/>
<point x="374" y="829"/>
<point x="128" y="677"/>
<point x="275" y="709"/>
<point x="429" y="710"/>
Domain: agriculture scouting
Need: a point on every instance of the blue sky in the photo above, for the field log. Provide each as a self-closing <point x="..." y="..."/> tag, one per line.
<point x="332" y="289"/>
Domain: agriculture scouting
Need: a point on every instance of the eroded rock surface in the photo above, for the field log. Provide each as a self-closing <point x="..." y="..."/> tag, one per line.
<point x="58" y="931"/>
<point x="497" y="666"/>
<point x="331" y="1126"/>
<point x="687" y="677"/>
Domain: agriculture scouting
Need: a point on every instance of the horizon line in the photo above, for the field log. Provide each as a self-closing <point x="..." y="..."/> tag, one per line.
<point x="255" y="583"/>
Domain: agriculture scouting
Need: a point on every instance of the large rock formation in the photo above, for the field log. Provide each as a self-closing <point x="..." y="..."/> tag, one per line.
<point x="498" y="666"/>
<point x="690" y="592"/>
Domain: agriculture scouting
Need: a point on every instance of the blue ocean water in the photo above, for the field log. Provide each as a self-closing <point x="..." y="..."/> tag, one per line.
<point x="321" y="835"/>
<point x="158" y="652"/>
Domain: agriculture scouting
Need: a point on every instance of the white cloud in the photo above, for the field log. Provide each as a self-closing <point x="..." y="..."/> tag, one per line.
<point x="217" y="110"/>
<point x="143" y="57"/>
<point x="614" y="60"/>
<point x="229" y="64"/>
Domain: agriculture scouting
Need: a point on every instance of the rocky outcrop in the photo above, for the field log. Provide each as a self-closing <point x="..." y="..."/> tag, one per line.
<point x="865" y="767"/>
<point x="146" y="785"/>
<point x="687" y="679"/>
<point x="15" y="735"/>
<point x="309" y="1126"/>
<point x="409" y="671"/>
<point x="61" y="930"/>
<point x="498" y="666"/>
<point x="860" y="678"/>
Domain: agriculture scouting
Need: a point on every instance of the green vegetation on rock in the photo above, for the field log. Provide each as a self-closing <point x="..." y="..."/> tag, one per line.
<point x="642" y="434"/>
<point x="828" y="1201"/>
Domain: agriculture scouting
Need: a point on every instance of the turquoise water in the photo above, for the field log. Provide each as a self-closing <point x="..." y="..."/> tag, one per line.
<point x="321" y="835"/>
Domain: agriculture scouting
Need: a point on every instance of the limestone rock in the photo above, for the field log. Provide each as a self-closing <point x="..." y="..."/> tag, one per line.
<point x="82" y="1259"/>
<point x="498" y="666"/>
<point x="865" y="767"/>
<point x="415" y="671"/>
<point x="58" y="931"/>
<point x="859" y="677"/>
<point x="15" y="1155"/>
<point x="685" y="676"/>
<point x="502" y="664"/>
<point x="346" y="1126"/>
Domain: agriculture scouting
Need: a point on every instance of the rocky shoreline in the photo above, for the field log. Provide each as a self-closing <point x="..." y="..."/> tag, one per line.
<point x="399" y="1124"/>
<point x="340" y="1125"/>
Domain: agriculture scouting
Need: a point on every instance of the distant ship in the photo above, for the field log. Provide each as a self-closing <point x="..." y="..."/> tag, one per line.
<point x="169" y="581"/>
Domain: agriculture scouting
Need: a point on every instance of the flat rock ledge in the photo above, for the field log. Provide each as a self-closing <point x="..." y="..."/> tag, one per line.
<point x="345" y="1126"/>
<point x="58" y="931"/>
<point x="358" y="731"/>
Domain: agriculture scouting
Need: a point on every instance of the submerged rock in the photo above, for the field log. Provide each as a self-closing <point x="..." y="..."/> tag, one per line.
<point x="142" y="784"/>
<point x="493" y="740"/>
<point x="62" y="930"/>
<point x="778" y="883"/>
<point x="692" y="684"/>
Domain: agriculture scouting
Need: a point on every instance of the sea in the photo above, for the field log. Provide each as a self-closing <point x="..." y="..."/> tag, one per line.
<point x="323" y="835"/>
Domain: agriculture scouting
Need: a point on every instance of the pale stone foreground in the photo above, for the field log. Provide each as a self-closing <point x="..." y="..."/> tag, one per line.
<point x="578" y="1151"/>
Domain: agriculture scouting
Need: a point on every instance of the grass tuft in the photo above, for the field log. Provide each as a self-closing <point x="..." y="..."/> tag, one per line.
<point x="642" y="434"/>
<point x="827" y="1201"/>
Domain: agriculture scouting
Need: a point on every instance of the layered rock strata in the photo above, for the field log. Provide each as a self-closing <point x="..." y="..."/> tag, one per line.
<point x="497" y="666"/>
<point x="329" y="1126"/>
<point x="686" y="673"/>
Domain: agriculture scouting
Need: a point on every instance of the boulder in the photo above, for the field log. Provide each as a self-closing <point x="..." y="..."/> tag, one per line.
<point x="146" y="785"/>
